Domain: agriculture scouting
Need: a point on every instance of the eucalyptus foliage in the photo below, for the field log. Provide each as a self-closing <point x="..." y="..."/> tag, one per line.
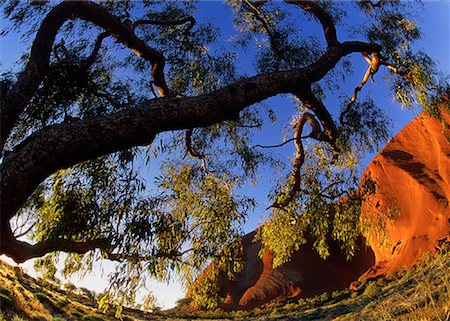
<point x="191" y="213"/>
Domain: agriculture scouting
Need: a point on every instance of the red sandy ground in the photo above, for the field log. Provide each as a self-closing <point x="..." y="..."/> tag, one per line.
<point x="412" y="174"/>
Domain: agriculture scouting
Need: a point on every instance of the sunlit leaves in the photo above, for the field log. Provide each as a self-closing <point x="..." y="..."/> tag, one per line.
<point x="46" y="268"/>
<point x="346" y="224"/>
<point x="394" y="32"/>
<point x="364" y="128"/>
<point x="202" y="208"/>
<point x="283" y="235"/>
<point x="317" y="214"/>
<point x="205" y="291"/>
<point x="418" y="82"/>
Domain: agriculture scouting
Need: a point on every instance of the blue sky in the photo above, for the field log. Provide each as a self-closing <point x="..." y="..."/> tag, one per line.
<point x="436" y="42"/>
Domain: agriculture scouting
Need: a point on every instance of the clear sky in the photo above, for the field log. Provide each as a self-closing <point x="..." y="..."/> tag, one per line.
<point x="436" y="37"/>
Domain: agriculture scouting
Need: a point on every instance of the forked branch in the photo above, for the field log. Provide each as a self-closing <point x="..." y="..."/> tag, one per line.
<point x="21" y="251"/>
<point x="98" y="43"/>
<point x="312" y="102"/>
<point x="190" y="150"/>
<point x="374" y="66"/>
<point x="15" y="100"/>
<point x="299" y="156"/>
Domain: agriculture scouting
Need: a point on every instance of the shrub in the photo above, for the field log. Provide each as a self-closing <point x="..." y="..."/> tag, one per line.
<point x="323" y="297"/>
<point x="62" y="303"/>
<point x="93" y="317"/>
<point x="183" y="302"/>
<point x="371" y="290"/>
<point x="41" y="296"/>
<point x="302" y="304"/>
<point x="240" y="314"/>
<point x="290" y="307"/>
<point x="274" y="313"/>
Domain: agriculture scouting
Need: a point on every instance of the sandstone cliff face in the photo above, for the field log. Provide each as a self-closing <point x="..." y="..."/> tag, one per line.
<point x="412" y="174"/>
<point x="412" y="199"/>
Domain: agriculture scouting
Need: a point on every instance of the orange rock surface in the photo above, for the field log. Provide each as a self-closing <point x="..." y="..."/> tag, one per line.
<point x="412" y="199"/>
<point x="412" y="174"/>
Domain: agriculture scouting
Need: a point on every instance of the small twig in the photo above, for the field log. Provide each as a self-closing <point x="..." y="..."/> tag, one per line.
<point x="181" y="21"/>
<point x="153" y="89"/>
<point x="191" y="151"/>
<point x="98" y="43"/>
<point x="243" y="125"/>
<point x="273" y="38"/>
<point x="23" y="233"/>
<point x="281" y="144"/>
<point x="93" y="89"/>
<point x="375" y="4"/>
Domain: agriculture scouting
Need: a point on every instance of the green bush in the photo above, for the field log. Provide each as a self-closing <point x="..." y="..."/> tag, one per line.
<point x="302" y="304"/>
<point x="41" y="297"/>
<point x="240" y="314"/>
<point x="371" y="290"/>
<point x="323" y="297"/>
<point x="93" y="317"/>
<point x="62" y="303"/>
<point x="274" y="313"/>
<point x="77" y="314"/>
<point x="183" y="302"/>
<point x="290" y="306"/>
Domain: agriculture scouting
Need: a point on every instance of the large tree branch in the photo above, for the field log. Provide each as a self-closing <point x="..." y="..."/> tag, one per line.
<point x="67" y="144"/>
<point x="64" y="145"/>
<point x="316" y="105"/>
<point x="21" y="251"/>
<point x="323" y="16"/>
<point x="299" y="157"/>
<point x="15" y="100"/>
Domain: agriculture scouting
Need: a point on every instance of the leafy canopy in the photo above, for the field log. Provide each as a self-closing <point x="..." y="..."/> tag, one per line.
<point x="192" y="212"/>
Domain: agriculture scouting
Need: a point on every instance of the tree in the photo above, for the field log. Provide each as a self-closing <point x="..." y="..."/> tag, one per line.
<point x="107" y="86"/>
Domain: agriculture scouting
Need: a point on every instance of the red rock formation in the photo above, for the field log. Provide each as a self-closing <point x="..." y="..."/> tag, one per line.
<point x="412" y="174"/>
<point x="305" y="275"/>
